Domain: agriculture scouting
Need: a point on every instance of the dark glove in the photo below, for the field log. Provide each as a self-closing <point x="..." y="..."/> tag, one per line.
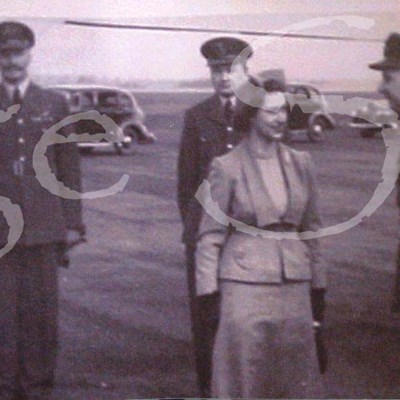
<point x="208" y="305"/>
<point x="318" y="304"/>
<point x="62" y="251"/>
<point x="62" y="256"/>
<point x="318" y="312"/>
<point x="396" y="305"/>
<point x="208" y="300"/>
<point x="396" y="299"/>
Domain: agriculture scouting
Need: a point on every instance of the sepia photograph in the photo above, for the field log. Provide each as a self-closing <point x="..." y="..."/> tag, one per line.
<point x="199" y="199"/>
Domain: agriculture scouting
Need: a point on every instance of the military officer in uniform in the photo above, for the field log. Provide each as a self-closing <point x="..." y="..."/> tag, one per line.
<point x="208" y="132"/>
<point x="390" y="88"/>
<point x="28" y="273"/>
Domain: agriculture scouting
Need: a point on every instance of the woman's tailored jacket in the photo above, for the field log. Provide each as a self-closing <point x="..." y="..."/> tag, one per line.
<point x="237" y="187"/>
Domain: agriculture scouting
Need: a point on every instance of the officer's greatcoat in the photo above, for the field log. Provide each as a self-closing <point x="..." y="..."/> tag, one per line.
<point x="28" y="273"/>
<point x="205" y="136"/>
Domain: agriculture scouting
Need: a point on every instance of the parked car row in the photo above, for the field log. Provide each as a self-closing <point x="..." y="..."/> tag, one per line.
<point x="309" y="114"/>
<point x="373" y="117"/>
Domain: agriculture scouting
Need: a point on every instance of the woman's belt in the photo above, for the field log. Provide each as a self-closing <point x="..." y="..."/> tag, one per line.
<point x="280" y="227"/>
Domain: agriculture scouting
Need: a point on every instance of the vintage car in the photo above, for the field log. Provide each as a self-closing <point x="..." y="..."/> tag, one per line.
<point x="373" y="117"/>
<point x="309" y="112"/>
<point x="118" y="104"/>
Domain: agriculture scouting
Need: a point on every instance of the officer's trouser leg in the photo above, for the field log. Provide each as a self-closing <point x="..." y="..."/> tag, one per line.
<point x="8" y="326"/>
<point x="32" y="322"/>
<point x="204" y="319"/>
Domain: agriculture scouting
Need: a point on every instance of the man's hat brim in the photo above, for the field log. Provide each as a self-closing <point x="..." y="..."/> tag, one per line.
<point x="216" y="62"/>
<point x="385" y="64"/>
<point x="225" y="51"/>
<point x="15" y="36"/>
<point x="15" y="44"/>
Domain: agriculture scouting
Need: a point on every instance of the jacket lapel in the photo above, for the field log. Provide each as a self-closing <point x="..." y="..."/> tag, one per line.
<point x="216" y="112"/>
<point x="31" y="101"/>
<point x="292" y="176"/>
<point x="264" y="210"/>
<point x="4" y="101"/>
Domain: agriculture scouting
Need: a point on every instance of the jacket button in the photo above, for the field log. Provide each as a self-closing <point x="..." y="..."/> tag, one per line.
<point x="229" y="128"/>
<point x="22" y="158"/>
<point x="20" y="121"/>
<point x="229" y="146"/>
<point x="21" y="140"/>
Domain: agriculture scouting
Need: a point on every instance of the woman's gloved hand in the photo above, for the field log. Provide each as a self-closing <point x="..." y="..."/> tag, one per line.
<point x="318" y="304"/>
<point x="318" y="312"/>
<point x="209" y="306"/>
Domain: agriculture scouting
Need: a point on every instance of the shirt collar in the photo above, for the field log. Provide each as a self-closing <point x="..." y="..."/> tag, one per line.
<point x="23" y="87"/>
<point x="225" y="99"/>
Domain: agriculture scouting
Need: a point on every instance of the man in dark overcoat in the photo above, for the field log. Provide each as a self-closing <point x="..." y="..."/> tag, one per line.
<point x="51" y="223"/>
<point x="390" y="88"/>
<point x="208" y="132"/>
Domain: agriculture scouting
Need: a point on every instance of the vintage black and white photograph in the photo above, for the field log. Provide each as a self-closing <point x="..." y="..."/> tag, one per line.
<point x="199" y="199"/>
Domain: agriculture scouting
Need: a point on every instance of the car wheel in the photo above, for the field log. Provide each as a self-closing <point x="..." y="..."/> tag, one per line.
<point x="316" y="129"/>
<point x="127" y="147"/>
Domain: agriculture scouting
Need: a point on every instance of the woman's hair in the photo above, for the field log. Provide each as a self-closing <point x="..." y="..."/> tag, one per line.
<point x="254" y="101"/>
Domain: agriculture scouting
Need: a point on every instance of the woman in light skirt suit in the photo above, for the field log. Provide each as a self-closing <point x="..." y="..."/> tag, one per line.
<point x="265" y="345"/>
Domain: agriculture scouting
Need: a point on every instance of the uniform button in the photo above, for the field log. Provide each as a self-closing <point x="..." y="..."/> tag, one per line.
<point x="21" y="140"/>
<point x="229" y="146"/>
<point x="20" y="121"/>
<point x="229" y="128"/>
<point x="22" y="158"/>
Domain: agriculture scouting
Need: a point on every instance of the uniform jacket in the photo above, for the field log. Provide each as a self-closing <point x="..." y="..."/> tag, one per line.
<point x="46" y="216"/>
<point x="240" y="192"/>
<point x="204" y="137"/>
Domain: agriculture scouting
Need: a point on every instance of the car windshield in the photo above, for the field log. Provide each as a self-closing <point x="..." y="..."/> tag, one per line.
<point x="125" y="100"/>
<point x="87" y="99"/>
<point x="314" y="92"/>
<point x="113" y="99"/>
<point x="302" y="91"/>
<point x="108" y="99"/>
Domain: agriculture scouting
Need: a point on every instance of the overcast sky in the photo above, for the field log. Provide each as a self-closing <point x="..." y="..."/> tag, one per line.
<point x="112" y="53"/>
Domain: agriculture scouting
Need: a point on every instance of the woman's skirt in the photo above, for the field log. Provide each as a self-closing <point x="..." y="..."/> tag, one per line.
<point x="265" y="345"/>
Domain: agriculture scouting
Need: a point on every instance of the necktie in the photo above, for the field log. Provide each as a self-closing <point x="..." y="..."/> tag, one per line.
<point x="17" y="99"/>
<point x="228" y="112"/>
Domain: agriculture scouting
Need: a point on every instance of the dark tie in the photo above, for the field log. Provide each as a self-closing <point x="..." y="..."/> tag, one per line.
<point x="17" y="99"/>
<point x="229" y="112"/>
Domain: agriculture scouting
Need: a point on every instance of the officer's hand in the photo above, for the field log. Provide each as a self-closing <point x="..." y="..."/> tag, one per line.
<point x="73" y="238"/>
<point x="396" y="305"/>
